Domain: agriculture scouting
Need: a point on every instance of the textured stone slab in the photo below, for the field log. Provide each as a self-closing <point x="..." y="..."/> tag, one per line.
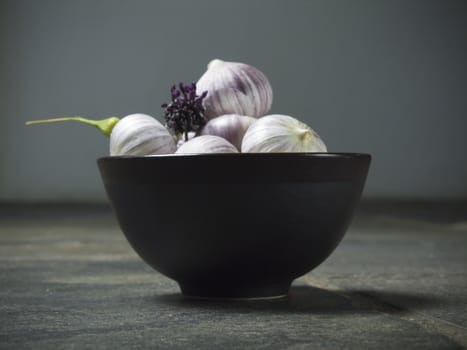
<point x="421" y="270"/>
<point x="70" y="280"/>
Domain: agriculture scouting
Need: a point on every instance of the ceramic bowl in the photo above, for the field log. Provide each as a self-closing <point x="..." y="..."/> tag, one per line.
<point x="235" y="225"/>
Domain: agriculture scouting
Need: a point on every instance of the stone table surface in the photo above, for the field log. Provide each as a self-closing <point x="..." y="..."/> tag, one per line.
<point x="69" y="280"/>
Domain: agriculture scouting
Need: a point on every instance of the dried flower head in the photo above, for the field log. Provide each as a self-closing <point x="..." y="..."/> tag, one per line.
<point x="186" y="111"/>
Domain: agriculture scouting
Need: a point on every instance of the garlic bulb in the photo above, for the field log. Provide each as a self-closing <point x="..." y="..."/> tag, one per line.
<point x="139" y="135"/>
<point x="231" y="127"/>
<point x="135" y="134"/>
<point x="207" y="144"/>
<point x="180" y="139"/>
<point x="234" y="88"/>
<point x="281" y="133"/>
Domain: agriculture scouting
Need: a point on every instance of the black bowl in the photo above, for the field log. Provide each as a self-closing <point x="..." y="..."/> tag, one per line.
<point x="235" y="225"/>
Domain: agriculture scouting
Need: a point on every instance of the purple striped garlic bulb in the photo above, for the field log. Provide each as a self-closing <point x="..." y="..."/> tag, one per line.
<point x="140" y="134"/>
<point x="231" y="127"/>
<point x="206" y="144"/>
<point x="234" y="88"/>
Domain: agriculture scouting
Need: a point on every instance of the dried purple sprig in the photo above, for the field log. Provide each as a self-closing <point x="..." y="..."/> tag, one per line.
<point x="186" y="111"/>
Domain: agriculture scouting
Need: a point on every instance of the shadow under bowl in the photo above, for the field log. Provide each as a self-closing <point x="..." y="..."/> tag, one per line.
<point x="235" y="225"/>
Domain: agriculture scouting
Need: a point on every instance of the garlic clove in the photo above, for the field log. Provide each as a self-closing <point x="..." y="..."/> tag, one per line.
<point x="281" y="133"/>
<point x="231" y="127"/>
<point x="139" y="135"/>
<point x="206" y="144"/>
<point x="235" y="88"/>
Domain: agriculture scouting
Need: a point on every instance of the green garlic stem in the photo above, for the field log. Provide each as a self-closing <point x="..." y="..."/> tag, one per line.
<point x="105" y="125"/>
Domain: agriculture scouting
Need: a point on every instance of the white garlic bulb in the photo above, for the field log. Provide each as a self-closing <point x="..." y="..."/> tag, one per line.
<point x="231" y="127"/>
<point x="180" y="140"/>
<point x="207" y="144"/>
<point x="234" y="88"/>
<point x="139" y="135"/>
<point x="281" y="133"/>
<point x="135" y="134"/>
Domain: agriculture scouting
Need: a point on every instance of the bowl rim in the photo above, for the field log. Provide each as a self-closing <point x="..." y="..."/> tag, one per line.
<point x="245" y="155"/>
<point x="235" y="168"/>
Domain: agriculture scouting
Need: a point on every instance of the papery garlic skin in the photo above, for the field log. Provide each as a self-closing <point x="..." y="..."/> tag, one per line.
<point x="180" y="140"/>
<point x="281" y="133"/>
<point x="234" y="88"/>
<point x="140" y="135"/>
<point x="206" y="144"/>
<point x="231" y="127"/>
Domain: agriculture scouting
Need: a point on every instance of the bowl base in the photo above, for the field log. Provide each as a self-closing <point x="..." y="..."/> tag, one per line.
<point x="273" y="297"/>
<point x="246" y="293"/>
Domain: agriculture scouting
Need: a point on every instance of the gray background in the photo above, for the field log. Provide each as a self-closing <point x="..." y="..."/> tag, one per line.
<point x="384" y="77"/>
